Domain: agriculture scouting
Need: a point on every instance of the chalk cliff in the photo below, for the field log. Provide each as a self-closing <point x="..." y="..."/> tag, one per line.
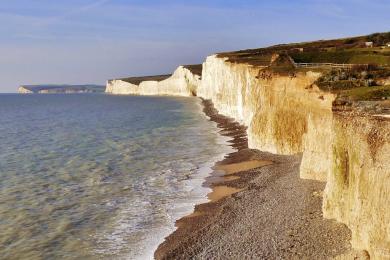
<point x="358" y="188"/>
<point x="289" y="114"/>
<point x="23" y="90"/>
<point x="182" y="83"/>
<point x="284" y="114"/>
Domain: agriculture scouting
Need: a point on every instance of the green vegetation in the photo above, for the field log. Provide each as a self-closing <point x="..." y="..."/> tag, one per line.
<point x="343" y="56"/>
<point x="322" y="57"/>
<point x="138" y="80"/>
<point x="357" y="84"/>
<point x="366" y="93"/>
<point x="260" y="59"/>
<point x="379" y="59"/>
<point x="348" y="50"/>
<point x="379" y="38"/>
<point x="358" y="76"/>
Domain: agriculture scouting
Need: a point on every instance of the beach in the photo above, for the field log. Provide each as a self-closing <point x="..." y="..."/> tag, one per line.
<point x="259" y="209"/>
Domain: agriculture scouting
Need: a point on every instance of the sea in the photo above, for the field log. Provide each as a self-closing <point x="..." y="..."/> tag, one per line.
<point x="95" y="176"/>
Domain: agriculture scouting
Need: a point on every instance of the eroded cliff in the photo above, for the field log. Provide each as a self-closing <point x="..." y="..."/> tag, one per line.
<point x="358" y="188"/>
<point x="284" y="114"/>
<point x="289" y="114"/>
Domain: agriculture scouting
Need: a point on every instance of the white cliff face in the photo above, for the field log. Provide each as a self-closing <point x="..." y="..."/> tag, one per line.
<point x="181" y="83"/>
<point x="120" y="87"/>
<point x="358" y="188"/>
<point x="22" y="90"/>
<point x="283" y="114"/>
<point x="227" y="85"/>
<point x="288" y="115"/>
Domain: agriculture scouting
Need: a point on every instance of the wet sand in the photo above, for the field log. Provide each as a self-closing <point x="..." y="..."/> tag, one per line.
<point x="241" y="166"/>
<point x="259" y="209"/>
<point x="220" y="192"/>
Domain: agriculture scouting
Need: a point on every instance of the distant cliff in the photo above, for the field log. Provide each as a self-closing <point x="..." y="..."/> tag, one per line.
<point x="60" y="89"/>
<point x="183" y="82"/>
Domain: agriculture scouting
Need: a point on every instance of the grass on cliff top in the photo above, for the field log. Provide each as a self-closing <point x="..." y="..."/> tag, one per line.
<point x="366" y="93"/>
<point x="138" y="80"/>
<point x="347" y="50"/>
<point x="354" y="56"/>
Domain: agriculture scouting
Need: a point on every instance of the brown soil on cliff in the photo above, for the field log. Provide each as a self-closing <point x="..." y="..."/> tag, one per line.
<point x="195" y="69"/>
<point x="138" y="80"/>
<point x="271" y="213"/>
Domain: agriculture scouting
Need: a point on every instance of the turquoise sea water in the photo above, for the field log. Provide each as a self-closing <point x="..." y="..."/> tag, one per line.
<point x="99" y="177"/>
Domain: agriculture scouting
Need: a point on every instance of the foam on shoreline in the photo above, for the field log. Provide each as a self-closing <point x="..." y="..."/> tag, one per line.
<point x="182" y="209"/>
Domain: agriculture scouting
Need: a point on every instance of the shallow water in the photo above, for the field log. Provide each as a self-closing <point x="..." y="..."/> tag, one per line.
<point x="97" y="176"/>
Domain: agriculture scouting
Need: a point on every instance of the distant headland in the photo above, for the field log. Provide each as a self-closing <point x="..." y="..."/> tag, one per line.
<point x="63" y="89"/>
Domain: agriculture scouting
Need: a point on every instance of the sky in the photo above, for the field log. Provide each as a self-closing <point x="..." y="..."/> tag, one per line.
<point x="90" y="41"/>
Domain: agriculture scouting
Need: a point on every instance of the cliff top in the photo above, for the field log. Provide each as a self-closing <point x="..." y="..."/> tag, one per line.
<point x="195" y="69"/>
<point x="371" y="48"/>
<point x="356" y="68"/>
<point x="138" y="80"/>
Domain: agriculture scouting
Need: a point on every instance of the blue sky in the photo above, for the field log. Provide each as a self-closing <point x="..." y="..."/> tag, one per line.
<point x="89" y="41"/>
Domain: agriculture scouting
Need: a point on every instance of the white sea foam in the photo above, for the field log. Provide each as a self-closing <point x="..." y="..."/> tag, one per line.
<point x="198" y="193"/>
<point x="181" y="208"/>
